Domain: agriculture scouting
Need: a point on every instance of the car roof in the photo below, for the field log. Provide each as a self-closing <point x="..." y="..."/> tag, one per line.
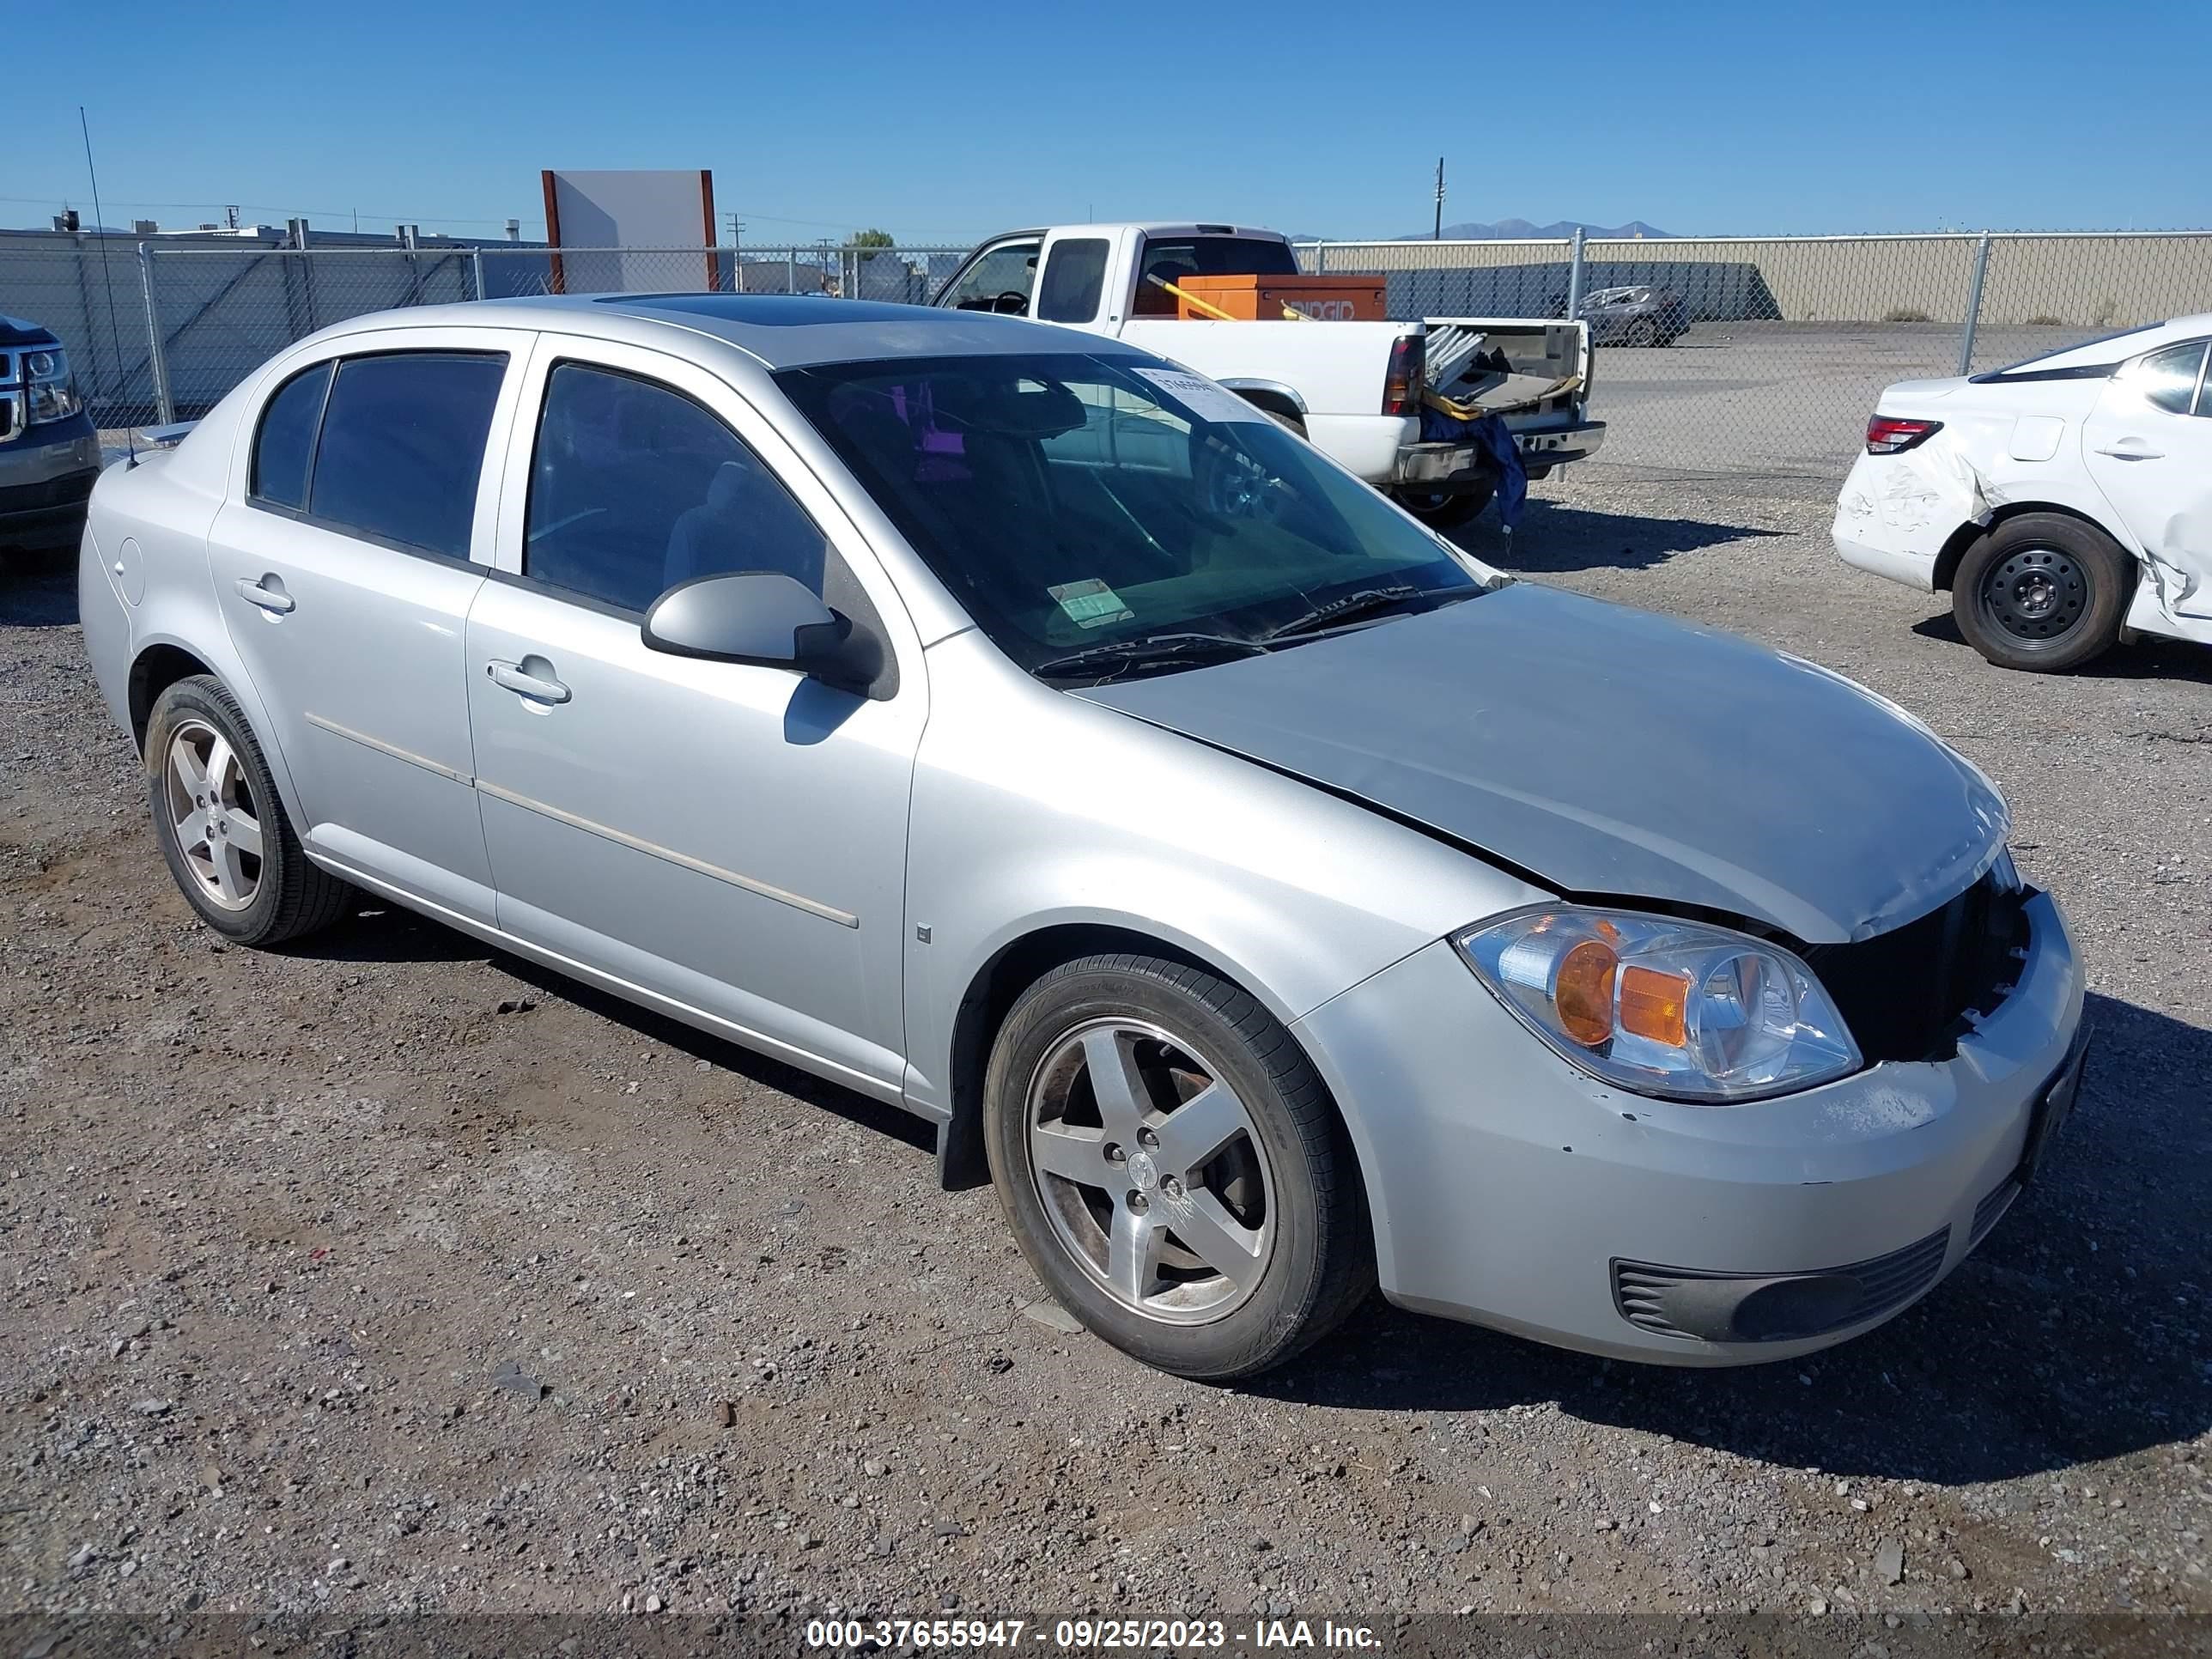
<point x="1152" y="227"/>
<point x="779" y="330"/>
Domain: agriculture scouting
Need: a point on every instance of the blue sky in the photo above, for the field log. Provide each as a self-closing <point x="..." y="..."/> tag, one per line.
<point x="945" y="122"/>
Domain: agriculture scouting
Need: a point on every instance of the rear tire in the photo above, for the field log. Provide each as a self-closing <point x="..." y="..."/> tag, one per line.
<point x="1172" y="1168"/>
<point x="1445" y="510"/>
<point x="1640" y="331"/>
<point x="2043" y="593"/>
<point x="222" y="826"/>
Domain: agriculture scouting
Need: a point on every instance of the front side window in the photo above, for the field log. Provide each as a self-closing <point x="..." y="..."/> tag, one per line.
<point x="284" y="447"/>
<point x="635" y="488"/>
<point x="2169" y="378"/>
<point x="1074" y="279"/>
<point x="1071" y="501"/>
<point x="402" y="447"/>
<point x="999" y="280"/>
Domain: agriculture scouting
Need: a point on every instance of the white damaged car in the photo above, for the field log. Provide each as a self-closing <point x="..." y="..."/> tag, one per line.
<point x="2064" y="502"/>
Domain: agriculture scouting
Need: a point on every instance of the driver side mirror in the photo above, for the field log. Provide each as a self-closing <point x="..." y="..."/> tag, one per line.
<point x="766" y="619"/>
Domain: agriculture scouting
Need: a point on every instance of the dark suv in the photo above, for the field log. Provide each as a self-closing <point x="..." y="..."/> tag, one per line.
<point x="49" y="450"/>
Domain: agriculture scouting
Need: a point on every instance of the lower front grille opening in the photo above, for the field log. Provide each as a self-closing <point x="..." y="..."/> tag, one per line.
<point x="1701" y="1306"/>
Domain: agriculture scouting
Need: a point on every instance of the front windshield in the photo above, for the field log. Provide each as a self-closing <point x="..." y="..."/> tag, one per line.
<point x="1073" y="502"/>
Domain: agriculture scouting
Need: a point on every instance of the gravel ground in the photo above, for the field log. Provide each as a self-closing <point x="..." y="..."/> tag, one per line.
<point x="384" y="1274"/>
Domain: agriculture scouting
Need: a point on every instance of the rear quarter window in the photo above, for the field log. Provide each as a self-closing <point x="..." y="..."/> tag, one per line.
<point x="2168" y="379"/>
<point x="284" y="447"/>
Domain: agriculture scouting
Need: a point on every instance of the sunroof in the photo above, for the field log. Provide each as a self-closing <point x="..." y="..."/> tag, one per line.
<point x="768" y="310"/>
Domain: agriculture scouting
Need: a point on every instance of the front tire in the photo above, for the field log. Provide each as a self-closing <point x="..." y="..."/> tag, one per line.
<point x="2043" y="593"/>
<point x="1172" y="1168"/>
<point x="223" y="830"/>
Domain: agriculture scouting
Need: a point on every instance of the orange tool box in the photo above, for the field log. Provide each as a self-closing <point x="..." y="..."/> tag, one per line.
<point x="1261" y="298"/>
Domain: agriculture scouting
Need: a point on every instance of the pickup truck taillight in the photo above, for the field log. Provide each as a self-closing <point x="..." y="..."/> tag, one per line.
<point x="1402" y="382"/>
<point x="1886" y="434"/>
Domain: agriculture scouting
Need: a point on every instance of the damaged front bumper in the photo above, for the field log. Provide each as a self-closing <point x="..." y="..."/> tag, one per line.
<point x="1512" y="1190"/>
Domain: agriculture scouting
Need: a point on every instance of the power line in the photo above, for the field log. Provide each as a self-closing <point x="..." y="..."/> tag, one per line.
<point x="349" y="213"/>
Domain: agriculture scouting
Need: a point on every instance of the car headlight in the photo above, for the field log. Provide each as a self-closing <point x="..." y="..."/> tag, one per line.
<point x="49" y="393"/>
<point x="52" y="401"/>
<point x="1675" y="1009"/>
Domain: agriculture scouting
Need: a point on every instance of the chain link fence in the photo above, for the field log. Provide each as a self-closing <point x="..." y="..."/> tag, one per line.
<point x="1761" y="358"/>
<point x="1720" y="358"/>
<point x="158" y="331"/>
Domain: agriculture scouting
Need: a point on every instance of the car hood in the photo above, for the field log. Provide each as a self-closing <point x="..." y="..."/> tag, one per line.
<point x="1613" y="753"/>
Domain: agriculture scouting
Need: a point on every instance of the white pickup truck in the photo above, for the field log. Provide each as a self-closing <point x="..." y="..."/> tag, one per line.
<point x="1354" y="389"/>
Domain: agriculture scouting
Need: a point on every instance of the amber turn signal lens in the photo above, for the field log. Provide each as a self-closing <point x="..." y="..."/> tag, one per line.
<point x="1651" y="1004"/>
<point x="1583" y="996"/>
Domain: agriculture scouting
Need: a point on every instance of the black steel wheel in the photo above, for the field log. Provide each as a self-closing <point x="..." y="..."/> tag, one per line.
<point x="2043" y="591"/>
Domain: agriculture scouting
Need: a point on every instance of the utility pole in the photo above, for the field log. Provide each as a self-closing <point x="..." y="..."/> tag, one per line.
<point x="1437" y="235"/>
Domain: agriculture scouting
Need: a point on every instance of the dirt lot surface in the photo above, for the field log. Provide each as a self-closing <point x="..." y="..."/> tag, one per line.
<point x="383" y="1274"/>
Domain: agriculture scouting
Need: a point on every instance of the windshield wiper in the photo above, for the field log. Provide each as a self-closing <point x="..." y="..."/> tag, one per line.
<point x="1349" y="607"/>
<point x="1144" y="651"/>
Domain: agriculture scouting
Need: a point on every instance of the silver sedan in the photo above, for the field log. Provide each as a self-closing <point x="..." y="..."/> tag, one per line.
<point x="1271" y="899"/>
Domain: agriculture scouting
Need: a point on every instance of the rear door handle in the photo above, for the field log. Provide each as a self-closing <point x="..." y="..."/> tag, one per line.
<point x="2132" y="449"/>
<point x="267" y="592"/>
<point x="538" y="687"/>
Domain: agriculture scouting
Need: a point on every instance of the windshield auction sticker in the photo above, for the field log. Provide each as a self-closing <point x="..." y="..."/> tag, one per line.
<point x="1201" y="397"/>
<point x="1090" y="603"/>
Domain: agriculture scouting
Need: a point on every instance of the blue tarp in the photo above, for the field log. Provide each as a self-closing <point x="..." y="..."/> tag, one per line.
<point x="1489" y="431"/>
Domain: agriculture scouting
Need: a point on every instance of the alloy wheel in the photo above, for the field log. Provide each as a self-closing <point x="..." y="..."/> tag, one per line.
<point x="1150" y="1171"/>
<point x="213" y="815"/>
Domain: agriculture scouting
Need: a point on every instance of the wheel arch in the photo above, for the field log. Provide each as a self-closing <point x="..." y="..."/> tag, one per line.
<point x="1281" y="401"/>
<point x="153" y="671"/>
<point x="998" y="985"/>
<point x="1962" y="540"/>
<point x="158" y="663"/>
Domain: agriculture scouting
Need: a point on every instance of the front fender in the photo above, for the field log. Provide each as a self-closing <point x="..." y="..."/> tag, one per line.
<point x="1034" y="810"/>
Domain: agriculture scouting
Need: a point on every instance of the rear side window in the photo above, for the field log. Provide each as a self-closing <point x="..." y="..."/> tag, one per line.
<point x="402" y="447"/>
<point x="285" y="447"/>
<point x="1074" y="278"/>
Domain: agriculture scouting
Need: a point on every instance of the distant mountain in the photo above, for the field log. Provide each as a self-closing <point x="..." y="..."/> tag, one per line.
<point x="1514" y="230"/>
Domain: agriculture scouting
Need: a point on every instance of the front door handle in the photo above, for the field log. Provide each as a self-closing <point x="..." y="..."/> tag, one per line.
<point x="517" y="677"/>
<point x="267" y="592"/>
<point x="2132" y="449"/>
